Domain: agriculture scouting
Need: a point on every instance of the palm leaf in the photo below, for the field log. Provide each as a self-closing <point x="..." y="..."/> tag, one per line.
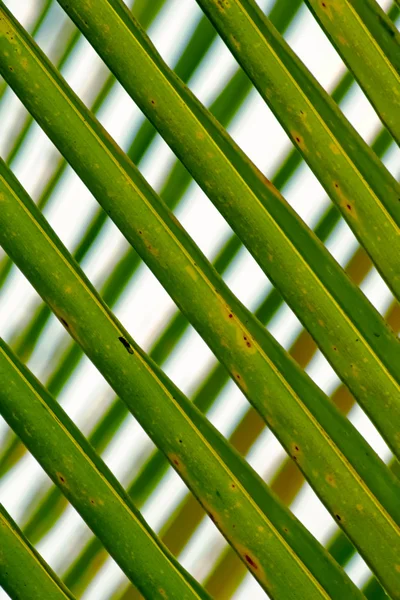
<point x="235" y="327"/>
<point x="327" y="442"/>
<point x="248" y="203"/>
<point x="151" y="397"/>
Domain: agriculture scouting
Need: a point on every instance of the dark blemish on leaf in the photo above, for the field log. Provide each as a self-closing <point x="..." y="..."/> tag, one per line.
<point x="230" y="315"/>
<point x="357" y="340"/>
<point x="126" y="344"/>
<point x="237" y="376"/>
<point x="153" y="102"/>
<point x="334" y="348"/>
<point x="11" y="69"/>
<point x="296" y="450"/>
<point x="92" y="501"/>
<point x="64" y="322"/>
<point x="180" y="441"/>
<point x="348" y="206"/>
<point x="233" y="486"/>
<point x="339" y="518"/>
<point x="61" y="478"/>
<point x="176" y="462"/>
<point x="250" y="561"/>
<point x="140" y="232"/>
<point x="377" y="335"/>
<point x="336" y="185"/>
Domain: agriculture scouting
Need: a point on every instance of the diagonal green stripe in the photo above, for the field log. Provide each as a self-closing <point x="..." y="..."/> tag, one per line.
<point x="23" y="572"/>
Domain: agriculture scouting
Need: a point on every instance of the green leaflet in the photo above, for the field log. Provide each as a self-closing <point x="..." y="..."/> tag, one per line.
<point x="310" y="429"/>
<point x="351" y="334"/>
<point x="369" y="43"/>
<point x="72" y="36"/>
<point x="145" y="13"/>
<point x="267" y="537"/>
<point x="23" y="572"/>
<point x="89" y="485"/>
<point x="357" y="182"/>
<point x="40" y="17"/>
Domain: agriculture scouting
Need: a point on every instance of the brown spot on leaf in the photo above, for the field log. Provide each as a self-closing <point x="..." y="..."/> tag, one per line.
<point x="331" y="479"/>
<point x="61" y="478"/>
<point x="248" y="344"/>
<point x="295" y="451"/>
<point x="298" y="139"/>
<point x="251" y="562"/>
